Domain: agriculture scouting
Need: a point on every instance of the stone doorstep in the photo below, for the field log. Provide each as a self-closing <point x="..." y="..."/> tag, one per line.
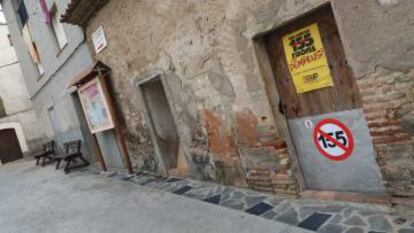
<point x="287" y="181"/>
<point x="409" y="202"/>
<point x="258" y="178"/>
<point x="404" y="206"/>
<point x="382" y="200"/>
<point x="288" y="192"/>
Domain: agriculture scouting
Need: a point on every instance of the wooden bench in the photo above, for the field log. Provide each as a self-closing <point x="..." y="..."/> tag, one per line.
<point x="71" y="155"/>
<point x="48" y="152"/>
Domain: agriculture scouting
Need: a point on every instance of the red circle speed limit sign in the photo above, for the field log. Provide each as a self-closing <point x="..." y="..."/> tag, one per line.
<point x="333" y="139"/>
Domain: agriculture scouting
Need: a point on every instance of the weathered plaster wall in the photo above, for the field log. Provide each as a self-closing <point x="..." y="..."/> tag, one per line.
<point x="213" y="81"/>
<point x="206" y="51"/>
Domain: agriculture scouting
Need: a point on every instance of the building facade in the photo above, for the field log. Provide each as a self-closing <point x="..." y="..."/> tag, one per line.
<point x="20" y="132"/>
<point x="287" y="97"/>
<point x="50" y="54"/>
<point x="204" y="90"/>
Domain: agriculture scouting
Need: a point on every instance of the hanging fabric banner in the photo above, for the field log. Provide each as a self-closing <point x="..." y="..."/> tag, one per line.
<point x="45" y="11"/>
<point x="307" y="60"/>
<point x="30" y="45"/>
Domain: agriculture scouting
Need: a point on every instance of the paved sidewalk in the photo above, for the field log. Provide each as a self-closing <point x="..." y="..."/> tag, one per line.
<point x="42" y="200"/>
<point x="324" y="217"/>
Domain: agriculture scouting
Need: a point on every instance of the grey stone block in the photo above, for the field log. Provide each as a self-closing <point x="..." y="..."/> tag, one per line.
<point x="290" y="216"/>
<point x="406" y="230"/>
<point x="336" y="219"/>
<point x="379" y="223"/>
<point x="253" y="200"/>
<point x="334" y="208"/>
<point x="355" y="230"/>
<point x="355" y="221"/>
<point x="330" y="228"/>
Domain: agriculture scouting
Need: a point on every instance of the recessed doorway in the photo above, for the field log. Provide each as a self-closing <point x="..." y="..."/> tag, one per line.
<point x="163" y="129"/>
<point x="318" y="92"/>
<point x="9" y="146"/>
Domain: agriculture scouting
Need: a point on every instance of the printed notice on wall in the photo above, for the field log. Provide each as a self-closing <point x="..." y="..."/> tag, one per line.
<point x="306" y="59"/>
<point x="95" y="106"/>
<point x="99" y="40"/>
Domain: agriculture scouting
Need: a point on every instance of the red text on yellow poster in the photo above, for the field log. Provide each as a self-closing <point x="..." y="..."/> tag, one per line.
<point x="306" y="59"/>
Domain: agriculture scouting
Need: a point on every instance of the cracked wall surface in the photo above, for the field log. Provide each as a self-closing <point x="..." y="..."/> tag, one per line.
<point x="205" y="51"/>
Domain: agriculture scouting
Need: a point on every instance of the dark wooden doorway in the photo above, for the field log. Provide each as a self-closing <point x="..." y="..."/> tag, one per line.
<point x="304" y="106"/>
<point x="342" y="96"/>
<point x="9" y="146"/>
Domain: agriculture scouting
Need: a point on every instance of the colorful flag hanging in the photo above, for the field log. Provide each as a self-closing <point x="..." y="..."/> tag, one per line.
<point x="45" y="11"/>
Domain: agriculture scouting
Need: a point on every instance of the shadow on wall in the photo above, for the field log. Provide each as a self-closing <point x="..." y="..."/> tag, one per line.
<point x="2" y="108"/>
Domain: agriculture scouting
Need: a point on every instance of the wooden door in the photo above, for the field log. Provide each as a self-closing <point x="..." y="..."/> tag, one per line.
<point x="342" y="96"/>
<point x="327" y="163"/>
<point x="9" y="146"/>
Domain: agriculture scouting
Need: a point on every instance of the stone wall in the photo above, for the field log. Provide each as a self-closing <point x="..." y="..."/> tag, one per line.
<point x="212" y="79"/>
<point x="388" y="102"/>
<point x="380" y="51"/>
<point x="226" y="117"/>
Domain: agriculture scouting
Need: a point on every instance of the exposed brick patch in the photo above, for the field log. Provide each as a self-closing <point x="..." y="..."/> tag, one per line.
<point x="231" y="173"/>
<point x="246" y="125"/>
<point x="388" y="105"/>
<point x="265" y="155"/>
<point x="260" y="180"/>
<point x="220" y="142"/>
<point x="384" y="96"/>
<point x="263" y="152"/>
<point x="285" y="185"/>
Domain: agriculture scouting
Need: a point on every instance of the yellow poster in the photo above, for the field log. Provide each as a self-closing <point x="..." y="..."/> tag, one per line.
<point x="306" y="59"/>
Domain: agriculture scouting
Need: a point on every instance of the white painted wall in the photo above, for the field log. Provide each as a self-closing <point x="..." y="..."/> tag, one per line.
<point x="13" y="90"/>
<point x="19" y="108"/>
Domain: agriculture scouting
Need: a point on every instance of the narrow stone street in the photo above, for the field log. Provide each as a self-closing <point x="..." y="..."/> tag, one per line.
<point x="319" y="216"/>
<point x="42" y="200"/>
<point x="207" y="116"/>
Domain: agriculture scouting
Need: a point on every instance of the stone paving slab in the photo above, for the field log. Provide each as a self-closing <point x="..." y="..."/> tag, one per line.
<point x="319" y="216"/>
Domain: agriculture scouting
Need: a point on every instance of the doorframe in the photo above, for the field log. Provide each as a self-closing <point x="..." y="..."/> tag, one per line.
<point x="266" y="71"/>
<point x="268" y="77"/>
<point x="265" y="67"/>
<point x="19" y="133"/>
<point x="88" y="137"/>
<point x="161" y="168"/>
<point x="21" y="156"/>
